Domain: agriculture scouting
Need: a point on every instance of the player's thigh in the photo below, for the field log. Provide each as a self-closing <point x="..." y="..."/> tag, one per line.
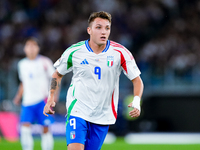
<point x="27" y="115"/>
<point x="75" y="146"/>
<point x="96" y="137"/>
<point x="76" y="131"/>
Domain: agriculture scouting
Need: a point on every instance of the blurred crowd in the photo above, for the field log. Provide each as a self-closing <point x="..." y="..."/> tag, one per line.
<point x="163" y="35"/>
<point x="59" y="23"/>
<point x="175" y="48"/>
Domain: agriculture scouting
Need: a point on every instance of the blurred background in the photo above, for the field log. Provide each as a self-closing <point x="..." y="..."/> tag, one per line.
<point x="162" y="35"/>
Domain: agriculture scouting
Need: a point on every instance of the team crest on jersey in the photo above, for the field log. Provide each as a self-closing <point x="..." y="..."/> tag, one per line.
<point x="110" y="61"/>
<point x="72" y="135"/>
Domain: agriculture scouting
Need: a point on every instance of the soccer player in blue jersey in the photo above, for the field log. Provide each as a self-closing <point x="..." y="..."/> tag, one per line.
<point x="92" y="97"/>
<point x="35" y="72"/>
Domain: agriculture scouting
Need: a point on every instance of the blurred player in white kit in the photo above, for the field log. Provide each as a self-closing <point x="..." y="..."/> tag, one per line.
<point x="34" y="72"/>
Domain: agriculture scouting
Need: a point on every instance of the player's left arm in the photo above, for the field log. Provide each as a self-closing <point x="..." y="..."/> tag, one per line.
<point x="138" y="91"/>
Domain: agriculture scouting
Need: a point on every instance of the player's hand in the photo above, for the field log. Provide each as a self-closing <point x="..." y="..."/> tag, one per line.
<point x="16" y="101"/>
<point x="135" y="112"/>
<point x="47" y="108"/>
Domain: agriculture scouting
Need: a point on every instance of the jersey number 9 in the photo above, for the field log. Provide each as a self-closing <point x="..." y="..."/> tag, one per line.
<point x="97" y="71"/>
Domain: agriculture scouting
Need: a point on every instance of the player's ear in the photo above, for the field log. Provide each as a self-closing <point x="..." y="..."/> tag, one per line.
<point x="89" y="30"/>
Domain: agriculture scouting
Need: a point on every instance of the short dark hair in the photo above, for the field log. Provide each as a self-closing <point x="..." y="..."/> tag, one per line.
<point x="100" y="14"/>
<point x="34" y="39"/>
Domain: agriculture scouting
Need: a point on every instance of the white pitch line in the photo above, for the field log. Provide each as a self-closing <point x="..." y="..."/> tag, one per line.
<point x="163" y="138"/>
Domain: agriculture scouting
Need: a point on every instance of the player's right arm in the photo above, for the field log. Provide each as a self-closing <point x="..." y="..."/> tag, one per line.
<point x="18" y="96"/>
<point x="55" y="84"/>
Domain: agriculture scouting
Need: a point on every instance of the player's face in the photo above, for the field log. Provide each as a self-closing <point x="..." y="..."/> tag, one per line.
<point x="31" y="49"/>
<point x="99" y="31"/>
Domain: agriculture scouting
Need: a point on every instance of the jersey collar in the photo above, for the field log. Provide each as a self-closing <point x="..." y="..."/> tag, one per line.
<point x="90" y="50"/>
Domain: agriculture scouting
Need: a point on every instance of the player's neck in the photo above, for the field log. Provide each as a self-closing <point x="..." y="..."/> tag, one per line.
<point x="96" y="48"/>
<point x="31" y="57"/>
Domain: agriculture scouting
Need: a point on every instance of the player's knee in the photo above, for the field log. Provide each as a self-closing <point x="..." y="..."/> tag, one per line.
<point x="45" y="129"/>
<point x="26" y="124"/>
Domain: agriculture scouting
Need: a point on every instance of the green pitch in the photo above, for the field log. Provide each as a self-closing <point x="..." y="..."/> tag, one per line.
<point x="60" y="144"/>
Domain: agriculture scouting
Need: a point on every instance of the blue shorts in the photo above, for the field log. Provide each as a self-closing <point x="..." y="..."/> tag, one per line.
<point x="89" y="134"/>
<point x="34" y="114"/>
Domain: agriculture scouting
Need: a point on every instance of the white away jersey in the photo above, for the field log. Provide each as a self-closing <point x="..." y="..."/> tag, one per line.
<point x="35" y="76"/>
<point x="94" y="90"/>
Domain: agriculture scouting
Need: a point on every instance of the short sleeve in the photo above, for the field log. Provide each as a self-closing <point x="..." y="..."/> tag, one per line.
<point x="129" y="65"/>
<point x="63" y="64"/>
<point x="132" y="69"/>
<point x="19" y="70"/>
